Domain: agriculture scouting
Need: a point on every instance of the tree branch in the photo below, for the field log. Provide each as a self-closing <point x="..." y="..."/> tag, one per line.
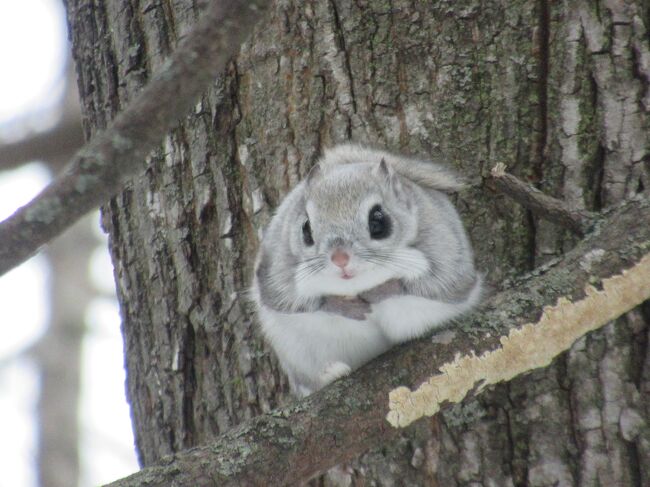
<point x="347" y="418"/>
<point x="99" y="169"/>
<point x="544" y="206"/>
<point x="55" y="146"/>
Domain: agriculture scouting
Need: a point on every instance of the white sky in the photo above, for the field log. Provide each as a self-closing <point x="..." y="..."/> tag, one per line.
<point x="32" y="52"/>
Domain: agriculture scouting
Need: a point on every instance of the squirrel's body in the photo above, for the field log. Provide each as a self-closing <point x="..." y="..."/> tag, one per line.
<point x="317" y="347"/>
<point x="366" y="253"/>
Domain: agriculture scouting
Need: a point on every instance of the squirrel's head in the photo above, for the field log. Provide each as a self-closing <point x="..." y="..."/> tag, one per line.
<point x="356" y="230"/>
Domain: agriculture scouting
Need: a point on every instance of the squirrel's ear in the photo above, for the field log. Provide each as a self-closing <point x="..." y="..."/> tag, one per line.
<point x="383" y="169"/>
<point x="314" y="174"/>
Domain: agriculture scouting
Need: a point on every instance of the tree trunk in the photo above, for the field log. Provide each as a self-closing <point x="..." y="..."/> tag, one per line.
<point x="59" y="357"/>
<point x="559" y="91"/>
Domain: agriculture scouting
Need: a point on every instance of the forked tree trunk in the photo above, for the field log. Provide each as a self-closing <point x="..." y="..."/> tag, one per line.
<point x="559" y="91"/>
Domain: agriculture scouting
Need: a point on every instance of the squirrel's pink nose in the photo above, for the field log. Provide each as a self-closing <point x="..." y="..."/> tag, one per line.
<point x="340" y="258"/>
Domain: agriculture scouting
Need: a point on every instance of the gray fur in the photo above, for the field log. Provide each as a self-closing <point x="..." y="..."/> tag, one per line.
<point x="423" y="173"/>
<point x="428" y="255"/>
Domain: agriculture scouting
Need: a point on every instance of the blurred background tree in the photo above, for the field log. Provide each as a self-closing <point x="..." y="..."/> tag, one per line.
<point x="50" y="371"/>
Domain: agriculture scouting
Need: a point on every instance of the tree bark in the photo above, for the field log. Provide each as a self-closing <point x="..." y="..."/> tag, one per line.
<point x="559" y="91"/>
<point x="289" y="445"/>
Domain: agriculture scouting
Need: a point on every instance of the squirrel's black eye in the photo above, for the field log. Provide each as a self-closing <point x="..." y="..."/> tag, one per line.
<point x="378" y="223"/>
<point x="306" y="234"/>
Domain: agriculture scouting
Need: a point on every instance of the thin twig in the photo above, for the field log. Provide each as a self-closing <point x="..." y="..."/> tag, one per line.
<point x="544" y="206"/>
<point x="100" y="168"/>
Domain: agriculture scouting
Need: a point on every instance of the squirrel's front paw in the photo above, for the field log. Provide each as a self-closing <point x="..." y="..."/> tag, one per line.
<point x="353" y="308"/>
<point x="334" y="371"/>
<point x="386" y="290"/>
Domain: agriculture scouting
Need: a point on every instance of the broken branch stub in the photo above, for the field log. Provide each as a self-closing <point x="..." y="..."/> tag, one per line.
<point x="544" y="206"/>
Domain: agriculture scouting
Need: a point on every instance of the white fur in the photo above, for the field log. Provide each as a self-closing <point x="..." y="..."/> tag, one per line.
<point x="335" y="371"/>
<point x="403" y="318"/>
<point x="427" y="251"/>
<point x="314" y="348"/>
<point x="318" y="348"/>
<point x="366" y="276"/>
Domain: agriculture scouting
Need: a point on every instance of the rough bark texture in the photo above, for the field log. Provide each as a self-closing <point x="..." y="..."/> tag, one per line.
<point x="341" y="421"/>
<point x="559" y="91"/>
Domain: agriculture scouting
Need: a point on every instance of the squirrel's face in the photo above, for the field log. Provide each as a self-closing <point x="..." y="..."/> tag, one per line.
<point x="357" y="231"/>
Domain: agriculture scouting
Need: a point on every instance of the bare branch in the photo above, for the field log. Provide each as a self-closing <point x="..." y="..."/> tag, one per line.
<point x="349" y="417"/>
<point x="55" y="146"/>
<point x="102" y="166"/>
<point x="544" y="206"/>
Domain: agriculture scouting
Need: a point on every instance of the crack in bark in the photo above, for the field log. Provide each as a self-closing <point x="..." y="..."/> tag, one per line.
<point x="340" y="36"/>
<point x="189" y="386"/>
<point x="635" y="464"/>
<point x="168" y="26"/>
<point x="565" y="390"/>
<point x="517" y="473"/>
<point x="542" y="90"/>
<point x="137" y="59"/>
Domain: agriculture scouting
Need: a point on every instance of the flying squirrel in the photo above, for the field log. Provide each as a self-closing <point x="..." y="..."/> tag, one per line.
<point x="365" y="253"/>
